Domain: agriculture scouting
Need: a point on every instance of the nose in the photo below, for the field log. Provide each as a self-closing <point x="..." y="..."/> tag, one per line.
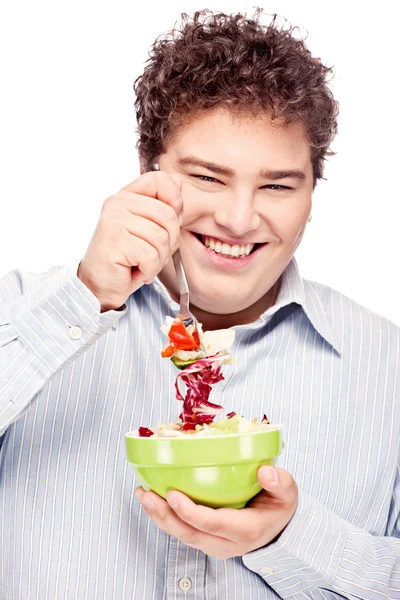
<point x="237" y="213"/>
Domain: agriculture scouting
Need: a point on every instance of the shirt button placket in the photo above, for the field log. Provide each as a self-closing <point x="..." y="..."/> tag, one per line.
<point x="172" y="566"/>
<point x="186" y="572"/>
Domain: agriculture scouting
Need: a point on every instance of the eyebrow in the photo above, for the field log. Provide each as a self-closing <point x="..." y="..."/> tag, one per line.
<point x="270" y="174"/>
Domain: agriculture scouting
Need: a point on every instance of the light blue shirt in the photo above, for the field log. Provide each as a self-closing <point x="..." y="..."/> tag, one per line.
<point x="73" y="382"/>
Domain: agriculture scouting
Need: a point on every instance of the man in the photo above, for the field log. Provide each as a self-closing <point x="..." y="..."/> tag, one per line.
<point x="239" y="119"/>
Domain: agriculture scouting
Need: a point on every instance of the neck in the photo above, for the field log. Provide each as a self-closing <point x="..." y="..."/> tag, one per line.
<point x="212" y="321"/>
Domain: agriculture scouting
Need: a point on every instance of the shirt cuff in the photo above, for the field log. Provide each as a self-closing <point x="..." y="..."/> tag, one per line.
<point x="306" y="554"/>
<point x="59" y="317"/>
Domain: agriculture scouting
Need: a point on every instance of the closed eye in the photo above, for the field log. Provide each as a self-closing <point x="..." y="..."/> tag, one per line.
<point x="276" y="187"/>
<point x="270" y="186"/>
<point x="205" y="178"/>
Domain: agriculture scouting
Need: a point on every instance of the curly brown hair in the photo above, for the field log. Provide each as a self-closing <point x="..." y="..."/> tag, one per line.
<point x="216" y="59"/>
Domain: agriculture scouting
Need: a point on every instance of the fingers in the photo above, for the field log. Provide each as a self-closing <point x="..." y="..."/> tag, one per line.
<point x="152" y="229"/>
<point x="126" y="207"/>
<point x="146" y="245"/>
<point x="167" y="520"/>
<point x="158" y="185"/>
<point x="226" y="523"/>
<point x="138" y="227"/>
<point x="142" y="255"/>
<point x="209" y="520"/>
<point x="221" y="532"/>
<point x="146" y="248"/>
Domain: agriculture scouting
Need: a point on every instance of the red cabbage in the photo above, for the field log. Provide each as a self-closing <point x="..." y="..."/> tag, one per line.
<point x="145" y="432"/>
<point x="198" y="378"/>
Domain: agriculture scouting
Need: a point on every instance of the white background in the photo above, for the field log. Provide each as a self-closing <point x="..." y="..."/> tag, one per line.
<point x="67" y="131"/>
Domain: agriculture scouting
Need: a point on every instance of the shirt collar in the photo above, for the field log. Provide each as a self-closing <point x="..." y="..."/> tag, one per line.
<point x="295" y="289"/>
<point x="292" y="291"/>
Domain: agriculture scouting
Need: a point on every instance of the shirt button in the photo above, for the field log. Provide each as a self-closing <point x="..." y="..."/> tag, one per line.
<point x="267" y="570"/>
<point x="75" y="332"/>
<point x="185" y="584"/>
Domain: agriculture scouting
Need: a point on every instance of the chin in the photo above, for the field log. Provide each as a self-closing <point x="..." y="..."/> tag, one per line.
<point x="222" y="304"/>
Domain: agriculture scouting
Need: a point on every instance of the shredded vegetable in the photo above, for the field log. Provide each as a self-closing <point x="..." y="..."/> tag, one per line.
<point x="199" y="371"/>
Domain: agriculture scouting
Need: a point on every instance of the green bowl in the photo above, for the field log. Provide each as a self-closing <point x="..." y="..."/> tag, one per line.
<point x="214" y="471"/>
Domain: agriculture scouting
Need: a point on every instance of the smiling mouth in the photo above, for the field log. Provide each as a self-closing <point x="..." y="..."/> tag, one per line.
<point x="227" y="250"/>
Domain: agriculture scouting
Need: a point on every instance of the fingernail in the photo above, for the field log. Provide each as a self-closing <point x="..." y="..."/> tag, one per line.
<point x="173" y="504"/>
<point x="148" y="503"/>
<point x="270" y="474"/>
<point x="139" y="494"/>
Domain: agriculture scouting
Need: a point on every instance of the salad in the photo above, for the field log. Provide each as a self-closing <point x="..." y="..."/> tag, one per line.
<point x="199" y="370"/>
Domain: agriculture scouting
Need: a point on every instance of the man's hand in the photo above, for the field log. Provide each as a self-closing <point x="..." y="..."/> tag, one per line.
<point x="137" y="232"/>
<point x="226" y="532"/>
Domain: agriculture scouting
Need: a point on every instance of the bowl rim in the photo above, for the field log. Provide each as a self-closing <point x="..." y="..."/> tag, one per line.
<point x="132" y="435"/>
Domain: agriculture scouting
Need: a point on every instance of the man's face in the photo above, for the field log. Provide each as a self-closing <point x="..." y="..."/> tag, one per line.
<point x="247" y="186"/>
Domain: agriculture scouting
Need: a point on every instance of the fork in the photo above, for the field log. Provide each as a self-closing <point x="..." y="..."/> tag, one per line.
<point x="187" y="317"/>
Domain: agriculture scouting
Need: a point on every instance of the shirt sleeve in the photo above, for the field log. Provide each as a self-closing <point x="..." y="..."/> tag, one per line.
<point x="320" y="552"/>
<point x="46" y="321"/>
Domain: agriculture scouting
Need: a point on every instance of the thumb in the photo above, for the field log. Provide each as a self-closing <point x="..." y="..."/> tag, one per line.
<point x="179" y="183"/>
<point x="177" y="180"/>
<point x="277" y="482"/>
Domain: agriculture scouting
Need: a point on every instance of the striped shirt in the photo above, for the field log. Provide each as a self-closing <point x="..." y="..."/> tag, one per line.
<point x="74" y="381"/>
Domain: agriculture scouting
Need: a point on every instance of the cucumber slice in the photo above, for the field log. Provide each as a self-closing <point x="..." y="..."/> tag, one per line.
<point x="181" y="364"/>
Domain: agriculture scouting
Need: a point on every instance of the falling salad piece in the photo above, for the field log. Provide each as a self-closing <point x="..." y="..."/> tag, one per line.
<point x="199" y="370"/>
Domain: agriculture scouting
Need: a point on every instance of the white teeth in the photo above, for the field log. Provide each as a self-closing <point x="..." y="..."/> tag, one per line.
<point x="226" y="249"/>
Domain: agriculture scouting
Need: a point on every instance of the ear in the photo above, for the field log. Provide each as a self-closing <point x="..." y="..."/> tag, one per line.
<point x="146" y="166"/>
<point x="142" y="166"/>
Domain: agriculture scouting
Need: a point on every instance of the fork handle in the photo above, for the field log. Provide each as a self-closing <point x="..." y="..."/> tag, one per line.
<point x="180" y="272"/>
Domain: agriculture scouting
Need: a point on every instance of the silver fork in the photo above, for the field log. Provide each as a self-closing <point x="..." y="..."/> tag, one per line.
<point x="187" y="317"/>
